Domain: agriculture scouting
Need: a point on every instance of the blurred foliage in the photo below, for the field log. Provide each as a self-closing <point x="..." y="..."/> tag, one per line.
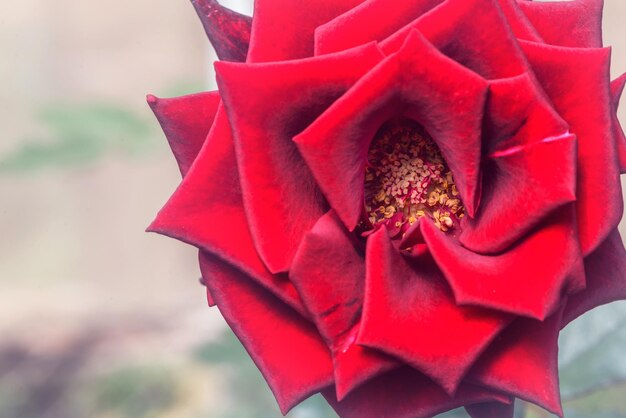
<point x="79" y="134"/>
<point x="137" y="392"/>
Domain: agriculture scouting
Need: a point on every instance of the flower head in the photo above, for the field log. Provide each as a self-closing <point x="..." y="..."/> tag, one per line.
<point x="398" y="206"/>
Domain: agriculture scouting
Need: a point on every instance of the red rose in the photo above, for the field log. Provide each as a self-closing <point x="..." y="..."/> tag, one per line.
<point x="400" y="207"/>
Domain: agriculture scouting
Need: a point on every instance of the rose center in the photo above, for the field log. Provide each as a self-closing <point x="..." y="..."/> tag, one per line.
<point x="407" y="178"/>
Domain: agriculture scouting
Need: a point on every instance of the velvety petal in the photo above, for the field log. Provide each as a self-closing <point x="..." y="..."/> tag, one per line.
<point x="284" y="29"/>
<point x="329" y="273"/>
<point x="285" y="347"/>
<point x="522" y="362"/>
<point x="575" y="23"/>
<point x="520" y="25"/>
<point x="406" y="393"/>
<point x="522" y="186"/>
<point x="529" y="170"/>
<point x="617" y="88"/>
<point x="527" y="280"/>
<point x="577" y="82"/>
<point x="491" y="410"/>
<point x="473" y="33"/>
<point x="186" y="121"/>
<point x="372" y="20"/>
<point x="209" y="297"/>
<point x="418" y="82"/>
<point x="410" y="313"/>
<point x="207" y="211"/>
<point x="281" y="197"/>
<point x="228" y="31"/>
<point x="606" y="278"/>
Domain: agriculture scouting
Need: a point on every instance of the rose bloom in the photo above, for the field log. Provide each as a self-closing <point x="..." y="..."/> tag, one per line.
<point x="401" y="205"/>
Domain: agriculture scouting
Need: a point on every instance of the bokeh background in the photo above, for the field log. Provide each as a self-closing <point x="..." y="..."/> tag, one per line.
<point x="99" y="319"/>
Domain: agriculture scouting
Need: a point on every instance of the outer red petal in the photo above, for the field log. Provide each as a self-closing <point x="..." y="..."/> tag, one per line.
<point x="577" y="81"/>
<point x="520" y="25"/>
<point x="372" y="20"/>
<point x="207" y="211"/>
<point x="186" y="121"/>
<point x="522" y="362"/>
<point x="417" y="82"/>
<point x="329" y="273"/>
<point x="410" y="313"/>
<point x="617" y="88"/>
<point x="576" y="23"/>
<point x="228" y="31"/>
<point x="529" y="170"/>
<point x="474" y="33"/>
<point x="286" y="348"/>
<point x="283" y="29"/>
<point x="606" y="278"/>
<point x="491" y="410"/>
<point x="281" y="197"/>
<point x="526" y="280"/>
<point x="406" y="393"/>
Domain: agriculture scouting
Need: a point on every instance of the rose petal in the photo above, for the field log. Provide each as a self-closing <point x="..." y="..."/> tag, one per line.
<point x="606" y="278"/>
<point x="329" y="273"/>
<point x="617" y="88"/>
<point x="186" y="121"/>
<point x="473" y="33"/>
<point x="491" y="410"/>
<point x="283" y="29"/>
<point x="286" y="348"/>
<point x="520" y="25"/>
<point x="526" y="280"/>
<point x="228" y="31"/>
<point x="406" y="393"/>
<point x="529" y="169"/>
<point x="410" y="313"/>
<point x="577" y="82"/>
<point x="417" y="82"/>
<point x="576" y="23"/>
<point x="207" y="211"/>
<point x="372" y="20"/>
<point x="281" y="197"/>
<point x="522" y="362"/>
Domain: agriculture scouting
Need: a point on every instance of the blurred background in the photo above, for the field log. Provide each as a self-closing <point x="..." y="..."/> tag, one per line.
<point x="99" y="319"/>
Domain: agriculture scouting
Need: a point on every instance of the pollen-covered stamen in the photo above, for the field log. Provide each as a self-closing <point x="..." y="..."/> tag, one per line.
<point x="407" y="178"/>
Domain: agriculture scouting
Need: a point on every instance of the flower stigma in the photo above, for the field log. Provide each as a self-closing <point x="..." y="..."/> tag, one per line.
<point x="407" y="178"/>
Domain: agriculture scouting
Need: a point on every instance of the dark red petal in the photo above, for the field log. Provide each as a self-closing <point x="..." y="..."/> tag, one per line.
<point x="530" y="163"/>
<point x="617" y="88"/>
<point x="520" y="25"/>
<point x="417" y="82"/>
<point x="406" y="393"/>
<point x="606" y="278"/>
<point x="329" y="273"/>
<point x="207" y="211"/>
<point x="491" y="410"/>
<point x="283" y="29"/>
<point x="281" y="197"/>
<point x="473" y="33"/>
<point x="209" y="298"/>
<point x="186" y="121"/>
<point x="228" y="31"/>
<point x="527" y="280"/>
<point x="410" y="313"/>
<point x="577" y="82"/>
<point x="372" y="20"/>
<point x="522" y="362"/>
<point x="576" y="23"/>
<point x="522" y="186"/>
<point x="286" y="348"/>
